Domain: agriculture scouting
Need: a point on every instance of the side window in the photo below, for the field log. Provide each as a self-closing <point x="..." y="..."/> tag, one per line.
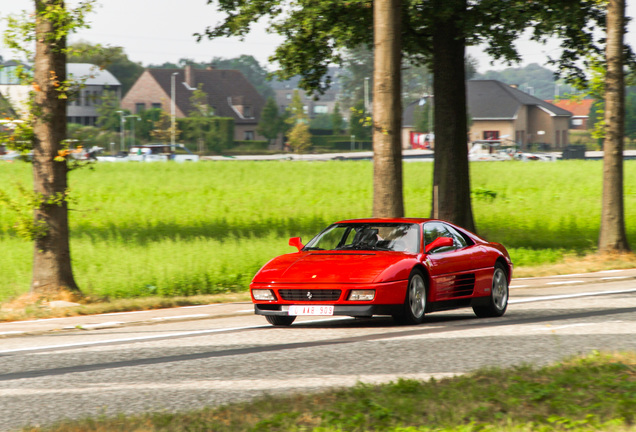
<point x="460" y="241"/>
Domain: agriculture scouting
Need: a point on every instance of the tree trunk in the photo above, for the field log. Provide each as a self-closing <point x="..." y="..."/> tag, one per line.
<point x="52" y="272"/>
<point x="387" y="110"/>
<point x="451" y="179"/>
<point x="613" y="237"/>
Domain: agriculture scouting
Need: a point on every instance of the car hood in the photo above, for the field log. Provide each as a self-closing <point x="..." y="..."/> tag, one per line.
<point x="334" y="267"/>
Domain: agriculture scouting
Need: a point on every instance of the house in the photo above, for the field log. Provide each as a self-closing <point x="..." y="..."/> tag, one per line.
<point x="91" y="83"/>
<point x="82" y="106"/>
<point x="314" y="106"/>
<point x="11" y="89"/>
<point x="580" y="110"/>
<point x="411" y="138"/>
<point x="502" y="112"/>
<point x="228" y="92"/>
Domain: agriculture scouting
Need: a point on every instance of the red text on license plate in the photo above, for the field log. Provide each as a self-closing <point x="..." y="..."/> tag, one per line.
<point x="310" y="310"/>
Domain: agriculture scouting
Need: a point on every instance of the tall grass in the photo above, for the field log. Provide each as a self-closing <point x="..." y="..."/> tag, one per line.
<point x="164" y="229"/>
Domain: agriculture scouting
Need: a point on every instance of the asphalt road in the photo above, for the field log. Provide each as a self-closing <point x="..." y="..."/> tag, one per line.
<point x="180" y="364"/>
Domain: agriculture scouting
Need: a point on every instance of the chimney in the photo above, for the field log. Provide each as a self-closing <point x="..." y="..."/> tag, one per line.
<point x="189" y="76"/>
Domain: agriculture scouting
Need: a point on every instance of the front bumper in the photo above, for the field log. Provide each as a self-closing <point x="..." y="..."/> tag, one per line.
<point x="346" y="310"/>
<point x="389" y="298"/>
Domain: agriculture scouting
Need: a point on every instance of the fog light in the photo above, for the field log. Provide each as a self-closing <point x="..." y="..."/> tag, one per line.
<point x="362" y="295"/>
<point x="263" y="294"/>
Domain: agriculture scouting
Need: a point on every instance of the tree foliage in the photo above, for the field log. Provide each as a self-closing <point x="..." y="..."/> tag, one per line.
<point x="271" y="122"/>
<point x="108" y="112"/>
<point x="337" y="122"/>
<point x="162" y="129"/>
<point x="299" y="137"/>
<point x="434" y="32"/>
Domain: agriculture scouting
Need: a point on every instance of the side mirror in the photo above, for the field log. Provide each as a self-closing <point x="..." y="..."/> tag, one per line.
<point x="438" y="243"/>
<point x="296" y="242"/>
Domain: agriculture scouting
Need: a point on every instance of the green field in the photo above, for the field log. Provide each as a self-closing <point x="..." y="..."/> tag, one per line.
<point x="182" y="229"/>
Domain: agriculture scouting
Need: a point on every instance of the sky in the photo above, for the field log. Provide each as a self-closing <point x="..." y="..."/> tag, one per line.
<point x="158" y="31"/>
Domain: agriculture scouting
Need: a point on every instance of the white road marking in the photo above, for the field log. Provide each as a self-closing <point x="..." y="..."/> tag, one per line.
<point x="568" y="296"/>
<point x="564" y="282"/>
<point x="135" y="339"/>
<point x="550" y="328"/>
<point x="177" y="317"/>
<point x="149" y="338"/>
<point x="615" y="277"/>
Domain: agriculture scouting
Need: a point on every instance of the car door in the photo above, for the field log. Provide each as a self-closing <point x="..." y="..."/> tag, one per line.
<point x="454" y="270"/>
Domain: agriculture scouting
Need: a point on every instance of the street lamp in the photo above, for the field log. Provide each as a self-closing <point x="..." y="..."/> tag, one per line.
<point x="366" y="95"/>
<point x="132" y="129"/>
<point x="121" y="130"/>
<point x="172" y="108"/>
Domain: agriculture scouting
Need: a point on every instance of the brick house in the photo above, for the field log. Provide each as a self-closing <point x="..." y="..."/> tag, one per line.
<point x="229" y="93"/>
<point x="502" y="112"/>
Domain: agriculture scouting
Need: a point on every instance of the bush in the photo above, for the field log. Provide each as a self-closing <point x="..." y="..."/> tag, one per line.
<point x="217" y="132"/>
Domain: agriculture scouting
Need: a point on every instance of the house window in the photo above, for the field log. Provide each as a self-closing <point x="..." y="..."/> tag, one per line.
<point x="139" y="107"/>
<point x="577" y="122"/>
<point x="156" y="105"/>
<point x="249" y="136"/>
<point x="288" y="96"/>
<point x="247" y="112"/>
<point x="491" y="135"/>
<point x="320" y="109"/>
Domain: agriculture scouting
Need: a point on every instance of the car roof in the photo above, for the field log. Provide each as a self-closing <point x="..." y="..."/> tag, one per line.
<point x="388" y="220"/>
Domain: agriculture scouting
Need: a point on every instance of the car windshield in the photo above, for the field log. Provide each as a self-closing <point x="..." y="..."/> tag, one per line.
<point x="398" y="237"/>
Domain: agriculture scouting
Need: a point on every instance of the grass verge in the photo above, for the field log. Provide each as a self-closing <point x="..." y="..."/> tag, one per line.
<point x="592" y="393"/>
<point x="29" y="307"/>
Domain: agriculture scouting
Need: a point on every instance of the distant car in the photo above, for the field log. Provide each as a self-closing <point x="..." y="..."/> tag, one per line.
<point x="400" y="267"/>
<point x="161" y="153"/>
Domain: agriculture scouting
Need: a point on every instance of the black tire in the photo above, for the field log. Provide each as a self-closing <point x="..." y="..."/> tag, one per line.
<point x="414" y="308"/>
<point x="280" y="320"/>
<point x="499" y="292"/>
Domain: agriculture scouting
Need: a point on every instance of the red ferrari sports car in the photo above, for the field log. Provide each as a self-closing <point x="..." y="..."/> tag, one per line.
<point x="401" y="267"/>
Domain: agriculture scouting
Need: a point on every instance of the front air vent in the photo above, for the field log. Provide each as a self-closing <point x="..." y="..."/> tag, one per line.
<point x="318" y="295"/>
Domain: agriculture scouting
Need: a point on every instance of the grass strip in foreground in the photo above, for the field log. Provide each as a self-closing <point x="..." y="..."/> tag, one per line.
<point x="591" y="393"/>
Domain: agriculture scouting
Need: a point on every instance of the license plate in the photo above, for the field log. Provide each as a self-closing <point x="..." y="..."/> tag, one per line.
<point x="310" y="310"/>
